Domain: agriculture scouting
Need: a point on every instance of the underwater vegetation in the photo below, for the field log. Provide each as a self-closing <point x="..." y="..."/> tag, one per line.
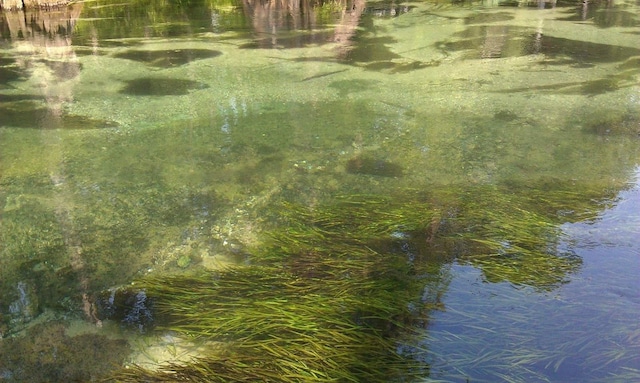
<point x="270" y="325"/>
<point x="337" y="291"/>
<point x="511" y="235"/>
<point x="294" y="313"/>
<point x="48" y="354"/>
<point x="39" y="228"/>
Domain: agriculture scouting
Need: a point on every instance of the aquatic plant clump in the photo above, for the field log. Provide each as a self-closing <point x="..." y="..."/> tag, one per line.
<point x="334" y="290"/>
<point x="325" y="300"/>
<point x="510" y="238"/>
<point x="506" y="235"/>
<point x="277" y="327"/>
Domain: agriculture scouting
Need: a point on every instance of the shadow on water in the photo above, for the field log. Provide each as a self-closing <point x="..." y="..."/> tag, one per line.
<point x="483" y="18"/>
<point x="10" y="98"/>
<point x="157" y="86"/>
<point x="28" y="115"/>
<point x="625" y="78"/>
<point x="292" y="39"/>
<point x="8" y="75"/>
<point x="167" y="58"/>
<point x="481" y="42"/>
<point x="370" y="51"/>
<point x="603" y="14"/>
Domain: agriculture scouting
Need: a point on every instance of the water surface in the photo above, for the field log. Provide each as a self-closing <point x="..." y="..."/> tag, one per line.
<point x="139" y="140"/>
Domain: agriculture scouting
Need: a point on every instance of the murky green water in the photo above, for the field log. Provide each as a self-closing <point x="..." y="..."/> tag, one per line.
<point x="464" y="174"/>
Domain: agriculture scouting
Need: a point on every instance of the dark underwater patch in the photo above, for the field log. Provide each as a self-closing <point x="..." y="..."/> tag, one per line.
<point x="368" y="50"/>
<point x="150" y="86"/>
<point x="87" y="51"/>
<point x="18" y="97"/>
<point x="368" y="165"/>
<point x="64" y="70"/>
<point x="31" y="116"/>
<point x="7" y="75"/>
<point x="130" y="307"/>
<point x="626" y="125"/>
<point x="167" y="58"/>
<point x="484" y="18"/>
<point x="296" y="39"/>
<point x="6" y="61"/>
<point x="482" y="41"/>
<point x="581" y="51"/>
<point x="587" y="88"/>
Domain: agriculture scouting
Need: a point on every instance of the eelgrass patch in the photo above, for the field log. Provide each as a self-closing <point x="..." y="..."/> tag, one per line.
<point x="276" y="326"/>
<point x="339" y="292"/>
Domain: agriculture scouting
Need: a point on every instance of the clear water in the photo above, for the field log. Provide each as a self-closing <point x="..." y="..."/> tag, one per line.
<point x="139" y="138"/>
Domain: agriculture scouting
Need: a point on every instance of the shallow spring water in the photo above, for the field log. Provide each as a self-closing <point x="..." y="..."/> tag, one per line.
<point x="138" y="140"/>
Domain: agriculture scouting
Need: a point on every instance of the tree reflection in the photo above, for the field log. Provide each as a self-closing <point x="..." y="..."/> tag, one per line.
<point x="338" y="260"/>
<point x="43" y="40"/>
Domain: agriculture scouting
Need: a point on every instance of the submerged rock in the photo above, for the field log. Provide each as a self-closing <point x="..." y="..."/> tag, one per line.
<point x="130" y="307"/>
<point x="25" y="307"/>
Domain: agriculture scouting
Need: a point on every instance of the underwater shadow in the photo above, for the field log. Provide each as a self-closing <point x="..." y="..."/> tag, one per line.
<point x="159" y="86"/>
<point x="485" y="42"/>
<point x="167" y="58"/>
<point x="35" y="117"/>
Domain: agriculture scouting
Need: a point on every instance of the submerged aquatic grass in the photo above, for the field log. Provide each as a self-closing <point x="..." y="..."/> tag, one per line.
<point x="277" y="326"/>
<point x="334" y="292"/>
